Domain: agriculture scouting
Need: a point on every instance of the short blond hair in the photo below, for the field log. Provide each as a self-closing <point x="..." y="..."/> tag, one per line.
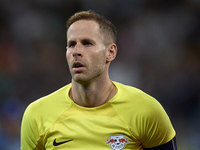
<point x="106" y="27"/>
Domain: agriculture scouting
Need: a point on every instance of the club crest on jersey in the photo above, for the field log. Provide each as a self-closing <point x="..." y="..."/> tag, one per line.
<point x="117" y="142"/>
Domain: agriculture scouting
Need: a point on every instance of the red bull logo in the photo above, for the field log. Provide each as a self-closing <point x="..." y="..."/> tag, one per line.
<point x="117" y="142"/>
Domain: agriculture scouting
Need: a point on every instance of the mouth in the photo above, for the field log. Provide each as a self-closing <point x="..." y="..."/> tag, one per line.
<point x="78" y="66"/>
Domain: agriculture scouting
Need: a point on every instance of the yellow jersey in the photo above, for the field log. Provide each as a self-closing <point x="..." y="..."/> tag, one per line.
<point x="131" y="120"/>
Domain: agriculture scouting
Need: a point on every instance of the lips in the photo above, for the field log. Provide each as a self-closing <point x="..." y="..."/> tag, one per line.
<point x="78" y="66"/>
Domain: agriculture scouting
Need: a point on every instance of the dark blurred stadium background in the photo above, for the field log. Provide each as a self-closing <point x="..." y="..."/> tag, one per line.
<point x="158" y="52"/>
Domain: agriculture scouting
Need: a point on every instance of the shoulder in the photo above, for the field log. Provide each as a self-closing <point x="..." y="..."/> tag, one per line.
<point x="49" y="107"/>
<point x="144" y="115"/>
<point x="134" y="96"/>
<point x="41" y="114"/>
<point x="134" y="101"/>
<point x="52" y="100"/>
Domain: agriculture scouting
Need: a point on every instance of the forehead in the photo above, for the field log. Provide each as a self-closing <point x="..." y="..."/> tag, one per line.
<point x="83" y="28"/>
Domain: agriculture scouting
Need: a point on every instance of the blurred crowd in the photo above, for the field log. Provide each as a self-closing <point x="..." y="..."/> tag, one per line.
<point x="158" y="52"/>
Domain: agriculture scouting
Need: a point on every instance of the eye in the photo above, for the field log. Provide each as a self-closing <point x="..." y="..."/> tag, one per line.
<point x="72" y="44"/>
<point x="87" y="43"/>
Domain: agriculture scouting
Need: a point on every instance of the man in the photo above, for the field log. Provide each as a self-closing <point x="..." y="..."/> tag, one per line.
<point x="94" y="112"/>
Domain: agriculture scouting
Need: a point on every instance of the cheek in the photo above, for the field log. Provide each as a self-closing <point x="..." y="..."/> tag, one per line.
<point x="68" y="55"/>
<point x="100" y="59"/>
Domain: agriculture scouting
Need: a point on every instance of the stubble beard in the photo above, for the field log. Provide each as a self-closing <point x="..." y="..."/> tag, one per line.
<point x="90" y="74"/>
<point x="87" y="78"/>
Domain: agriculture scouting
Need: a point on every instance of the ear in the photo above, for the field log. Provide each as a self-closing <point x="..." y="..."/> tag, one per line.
<point x="111" y="52"/>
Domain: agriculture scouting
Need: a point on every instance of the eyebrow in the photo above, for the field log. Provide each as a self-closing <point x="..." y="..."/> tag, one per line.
<point x="88" y="39"/>
<point x="82" y="40"/>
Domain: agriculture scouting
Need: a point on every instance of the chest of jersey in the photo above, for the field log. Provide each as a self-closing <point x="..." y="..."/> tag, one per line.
<point x="90" y="129"/>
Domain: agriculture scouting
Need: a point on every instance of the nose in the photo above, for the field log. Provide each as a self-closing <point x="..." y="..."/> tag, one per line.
<point x="77" y="50"/>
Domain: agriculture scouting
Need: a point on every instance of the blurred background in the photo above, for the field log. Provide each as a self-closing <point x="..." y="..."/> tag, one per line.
<point x="158" y="52"/>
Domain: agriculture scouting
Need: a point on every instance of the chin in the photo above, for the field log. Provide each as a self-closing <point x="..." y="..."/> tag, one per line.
<point x="80" y="80"/>
<point x="84" y="79"/>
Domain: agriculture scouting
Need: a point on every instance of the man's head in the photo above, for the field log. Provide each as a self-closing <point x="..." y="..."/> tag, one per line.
<point x="107" y="29"/>
<point x="89" y="49"/>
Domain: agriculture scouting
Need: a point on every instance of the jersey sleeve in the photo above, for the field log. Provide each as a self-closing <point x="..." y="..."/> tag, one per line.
<point x="147" y="120"/>
<point x="29" y="130"/>
<point x="156" y="126"/>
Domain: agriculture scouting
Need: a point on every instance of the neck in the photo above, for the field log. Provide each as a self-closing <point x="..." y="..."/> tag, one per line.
<point x="94" y="94"/>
